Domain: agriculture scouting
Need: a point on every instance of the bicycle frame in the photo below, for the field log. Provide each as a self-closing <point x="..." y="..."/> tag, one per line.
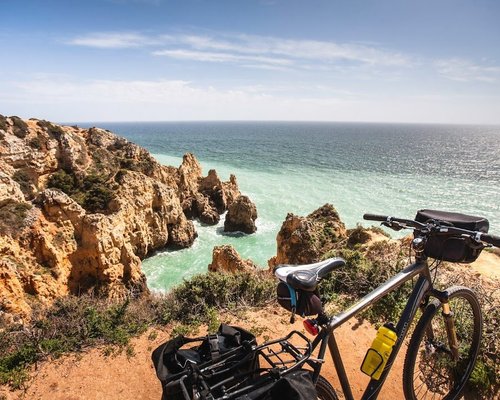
<point x="326" y="336"/>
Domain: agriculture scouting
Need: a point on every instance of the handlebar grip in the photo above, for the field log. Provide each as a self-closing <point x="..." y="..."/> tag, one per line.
<point x="375" y="217"/>
<point x="491" y="239"/>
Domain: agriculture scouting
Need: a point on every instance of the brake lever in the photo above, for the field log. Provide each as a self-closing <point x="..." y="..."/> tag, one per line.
<point x="396" y="226"/>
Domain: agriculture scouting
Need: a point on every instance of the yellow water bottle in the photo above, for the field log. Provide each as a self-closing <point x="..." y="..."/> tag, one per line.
<point x="378" y="354"/>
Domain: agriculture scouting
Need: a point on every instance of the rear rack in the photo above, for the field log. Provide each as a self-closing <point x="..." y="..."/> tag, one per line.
<point x="222" y="380"/>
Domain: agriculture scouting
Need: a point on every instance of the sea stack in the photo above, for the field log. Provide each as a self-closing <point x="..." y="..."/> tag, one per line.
<point x="241" y="216"/>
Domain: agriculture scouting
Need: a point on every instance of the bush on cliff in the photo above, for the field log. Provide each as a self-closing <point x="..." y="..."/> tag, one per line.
<point x="92" y="192"/>
<point x="191" y="301"/>
<point x="54" y="130"/>
<point x="96" y="194"/>
<point x="63" y="181"/>
<point x="365" y="271"/>
<point x="22" y="177"/>
<point x="20" y="127"/>
<point x="12" y="216"/>
<point x="3" y="123"/>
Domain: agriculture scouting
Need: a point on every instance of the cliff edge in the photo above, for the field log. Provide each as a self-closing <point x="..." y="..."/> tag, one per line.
<point x="79" y="209"/>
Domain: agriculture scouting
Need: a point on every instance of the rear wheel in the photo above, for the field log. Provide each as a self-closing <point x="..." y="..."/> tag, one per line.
<point x="325" y="390"/>
<point x="429" y="368"/>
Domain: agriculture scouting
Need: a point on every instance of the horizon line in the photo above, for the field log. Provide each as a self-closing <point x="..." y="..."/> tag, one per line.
<point x="276" y="121"/>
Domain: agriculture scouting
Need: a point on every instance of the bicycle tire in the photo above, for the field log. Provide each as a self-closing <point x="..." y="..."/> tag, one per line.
<point x="325" y="390"/>
<point x="428" y="359"/>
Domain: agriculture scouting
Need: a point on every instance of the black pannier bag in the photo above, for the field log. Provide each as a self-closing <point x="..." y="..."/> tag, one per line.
<point x="296" y="385"/>
<point x="305" y="303"/>
<point x="174" y="365"/>
<point x="453" y="248"/>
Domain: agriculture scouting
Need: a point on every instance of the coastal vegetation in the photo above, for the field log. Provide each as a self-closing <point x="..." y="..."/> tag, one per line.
<point x="12" y="216"/>
<point x="93" y="192"/>
<point x="73" y="323"/>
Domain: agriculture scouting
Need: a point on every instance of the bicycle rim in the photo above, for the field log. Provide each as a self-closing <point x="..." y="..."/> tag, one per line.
<point x="429" y="369"/>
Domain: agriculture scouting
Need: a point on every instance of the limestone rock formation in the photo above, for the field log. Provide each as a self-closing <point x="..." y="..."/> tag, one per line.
<point x="226" y="259"/>
<point x="207" y="197"/>
<point x="304" y="240"/>
<point x="80" y="208"/>
<point x="241" y="216"/>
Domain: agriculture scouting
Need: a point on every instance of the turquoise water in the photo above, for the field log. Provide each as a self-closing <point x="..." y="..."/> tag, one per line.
<point x="297" y="167"/>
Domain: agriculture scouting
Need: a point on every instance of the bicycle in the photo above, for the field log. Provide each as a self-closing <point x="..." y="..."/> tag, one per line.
<point x="442" y="350"/>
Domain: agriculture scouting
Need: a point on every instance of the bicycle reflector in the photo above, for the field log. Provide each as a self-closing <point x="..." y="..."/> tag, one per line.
<point x="311" y="326"/>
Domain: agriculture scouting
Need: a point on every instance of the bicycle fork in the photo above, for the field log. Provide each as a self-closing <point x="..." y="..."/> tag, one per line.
<point x="449" y="322"/>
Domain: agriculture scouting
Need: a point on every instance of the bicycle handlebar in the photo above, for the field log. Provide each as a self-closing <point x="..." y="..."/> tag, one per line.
<point x="399" y="223"/>
<point x="491" y="239"/>
<point x="375" y="217"/>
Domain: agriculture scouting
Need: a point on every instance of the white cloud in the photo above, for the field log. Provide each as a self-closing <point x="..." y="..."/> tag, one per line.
<point x="221" y="57"/>
<point x="462" y="70"/>
<point x="241" y="48"/>
<point x="294" y="49"/>
<point x="117" y="40"/>
<point x="320" y="51"/>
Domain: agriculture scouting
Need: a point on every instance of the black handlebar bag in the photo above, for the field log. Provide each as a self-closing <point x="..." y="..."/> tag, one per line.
<point x="453" y="248"/>
<point x="176" y="368"/>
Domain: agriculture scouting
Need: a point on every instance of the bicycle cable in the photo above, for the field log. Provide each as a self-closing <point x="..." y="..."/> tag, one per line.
<point x="434" y="268"/>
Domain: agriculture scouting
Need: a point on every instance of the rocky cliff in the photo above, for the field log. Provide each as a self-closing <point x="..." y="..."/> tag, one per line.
<point x="79" y="209"/>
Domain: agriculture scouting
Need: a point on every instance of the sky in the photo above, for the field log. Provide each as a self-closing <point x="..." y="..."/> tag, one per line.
<point x="425" y="61"/>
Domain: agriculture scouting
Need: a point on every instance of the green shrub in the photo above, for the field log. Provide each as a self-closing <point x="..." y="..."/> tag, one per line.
<point x="24" y="181"/>
<point x="54" y="130"/>
<point x="92" y="192"/>
<point x="192" y="301"/>
<point x="73" y="323"/>
<point x="20" y="127"/>
<point x="12" y="216"/>
<point x="63" y="181"/>
<point x="358" y="235"/>
<point x="97" y="194"/>
<point x="365" y="271"/>
<point x="35" y="143"/>
<point x="3" y="123"/>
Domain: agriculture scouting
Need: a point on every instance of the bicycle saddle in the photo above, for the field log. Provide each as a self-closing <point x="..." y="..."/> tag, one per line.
<point x="306" y="277"/>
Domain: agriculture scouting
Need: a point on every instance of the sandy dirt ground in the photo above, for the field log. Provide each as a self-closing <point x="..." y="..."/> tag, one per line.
<point x="92" y="375"/>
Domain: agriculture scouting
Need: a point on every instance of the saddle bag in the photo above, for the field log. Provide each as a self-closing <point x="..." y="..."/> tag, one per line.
<point x="176" y="367"/>
<point x="453" y="248"/>
<point x="301" y="302"/>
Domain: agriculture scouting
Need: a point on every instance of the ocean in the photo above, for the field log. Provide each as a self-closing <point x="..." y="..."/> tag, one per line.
<point x="393" y="169"/>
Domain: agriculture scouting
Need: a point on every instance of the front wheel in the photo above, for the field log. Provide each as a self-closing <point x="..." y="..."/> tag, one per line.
<point x="429" y="367"/>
